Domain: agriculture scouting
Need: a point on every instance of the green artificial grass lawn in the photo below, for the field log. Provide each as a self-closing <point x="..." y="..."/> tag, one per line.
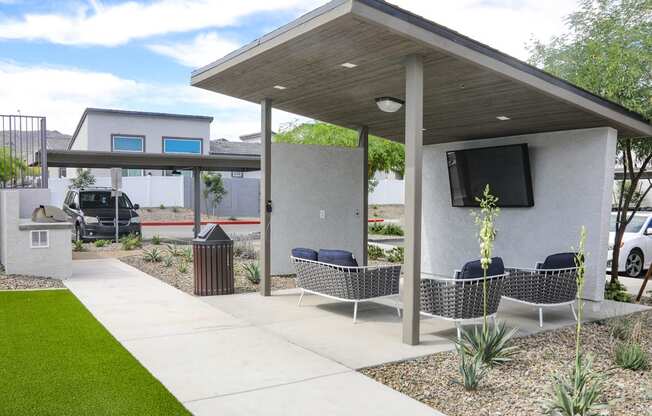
<point x="56" y="359"/>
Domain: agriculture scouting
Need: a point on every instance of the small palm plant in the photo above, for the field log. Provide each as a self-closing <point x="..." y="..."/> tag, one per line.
<point x="252" y="272"/>
<point x="152" y="256"/>
<point x="168" y="261"/>
<point x="577" y="393"/>
<point x="182" y="267"/>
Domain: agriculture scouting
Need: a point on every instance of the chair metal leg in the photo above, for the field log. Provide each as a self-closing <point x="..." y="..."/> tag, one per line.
<point x="301" y="297"/>
<point x="540" y="317"/>
<point x="572" y="306"/>
<point x="355" y="311"/>
<point x="398" y="309"/>
<point x="459" y="331"/>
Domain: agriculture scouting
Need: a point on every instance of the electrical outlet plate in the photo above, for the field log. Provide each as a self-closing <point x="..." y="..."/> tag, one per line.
<point x="322" y="214"/>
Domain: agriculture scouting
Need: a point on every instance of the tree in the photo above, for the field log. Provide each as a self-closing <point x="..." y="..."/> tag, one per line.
<point x="384" y="155"/>
<point x="84" y="179"/>
<point x="11" y="167"/>
<point x="214" y="188"/>
<point x="608" y="50"/>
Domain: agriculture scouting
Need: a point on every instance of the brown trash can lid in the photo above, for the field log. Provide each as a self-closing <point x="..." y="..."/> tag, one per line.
<point x="211" y="234"/>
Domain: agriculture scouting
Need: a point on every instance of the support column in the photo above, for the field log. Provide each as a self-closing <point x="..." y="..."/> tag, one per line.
<point x="265" y="196"/>
<point x="413" y="169"/>
<point x="363" y="142"/>
<point x="196" y="179"/>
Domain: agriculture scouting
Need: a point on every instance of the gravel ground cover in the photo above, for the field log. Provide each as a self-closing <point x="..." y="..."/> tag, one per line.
<point x="184" y="280"/>
<point x="21" y="282"/>
<point x="517" y="388"/>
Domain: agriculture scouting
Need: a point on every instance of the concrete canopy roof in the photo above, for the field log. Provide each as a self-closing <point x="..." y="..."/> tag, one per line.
<point x="466" y="84"/>
<point x="163" y="161"/>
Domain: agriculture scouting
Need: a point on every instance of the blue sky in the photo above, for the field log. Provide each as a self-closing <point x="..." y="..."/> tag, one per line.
<point x="58" y="57"/>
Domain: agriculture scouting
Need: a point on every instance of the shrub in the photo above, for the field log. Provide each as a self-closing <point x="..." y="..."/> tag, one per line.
<point x="161" y="206"/>
<point x="396" y="255"/>
<point x="376" y="228"/>
<point x="491" y="346"/>
<point x="101" y="243"/>
<point x="472" y="371"/>
<point x="77" y="245"/>
<point x="576" y="393"/>
<point x="616" y="291"/>
<point x="175" y="209"/>
<point x="630" y="356"/>
<point x="620" y="329"/>
<point x="182" y="267"/>
<point x="156" y="239"/>
<point x="186" y="253"/>
<point x="153" y="256"/>
<point x="232" y="218"/>
<point x="252" y="272"/>
<point x="168" y="261"/>
<point x="130" y="242"/>
<point x="392" y="229"/>
<point x="375" y="252"/>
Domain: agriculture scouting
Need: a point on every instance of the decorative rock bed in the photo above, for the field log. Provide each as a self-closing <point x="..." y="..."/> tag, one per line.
<point x="517" y="388"/>
<point x="20" y="282"/>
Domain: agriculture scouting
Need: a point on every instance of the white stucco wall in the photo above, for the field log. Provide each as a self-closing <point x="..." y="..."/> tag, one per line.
<point x="305" y="180"/>
<point x="572" y="173"/>
<point x="95" y="133"/>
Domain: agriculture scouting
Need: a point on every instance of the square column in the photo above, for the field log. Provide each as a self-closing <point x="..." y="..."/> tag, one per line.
<point x="413" y="169"/>
<point x="196" y="205"/>
<point x="363" y="142"/>
<point x="265" y="196"/>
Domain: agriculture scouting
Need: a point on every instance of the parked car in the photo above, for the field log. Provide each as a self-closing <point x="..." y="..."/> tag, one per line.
<point x="636" y="248"/>
<point x="93" y="212"/>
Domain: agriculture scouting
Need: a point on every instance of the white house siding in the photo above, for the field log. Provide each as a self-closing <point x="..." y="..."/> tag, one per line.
<point x="572" y="173"/>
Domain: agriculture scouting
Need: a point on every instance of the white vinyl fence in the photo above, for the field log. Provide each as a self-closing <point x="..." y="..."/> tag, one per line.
<point x="147" y="191"/>
<point x="388" y="191"/>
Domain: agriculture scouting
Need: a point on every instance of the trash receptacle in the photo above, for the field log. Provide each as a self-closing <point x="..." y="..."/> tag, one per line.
<point x="213" y="262"/>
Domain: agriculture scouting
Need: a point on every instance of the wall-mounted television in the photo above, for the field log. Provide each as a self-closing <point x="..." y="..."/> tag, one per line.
<point x="506" y="169"/>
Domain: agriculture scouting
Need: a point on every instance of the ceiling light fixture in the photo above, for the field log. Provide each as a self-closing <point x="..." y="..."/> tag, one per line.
<point x="280" y="87"/>
<point x="503" y="118"/>
<point x="389" y="104"/>
<point x="348" y="65"/>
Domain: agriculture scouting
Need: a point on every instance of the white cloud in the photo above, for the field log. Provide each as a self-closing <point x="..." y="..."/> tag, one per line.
<point x="61" y="94"/>
<point x="116" y="24"/>
<point x="205" y="48"/>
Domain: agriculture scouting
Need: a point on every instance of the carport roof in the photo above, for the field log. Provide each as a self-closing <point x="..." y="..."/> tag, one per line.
<point x="162" y="161"/>
<point x="467" y="84"/>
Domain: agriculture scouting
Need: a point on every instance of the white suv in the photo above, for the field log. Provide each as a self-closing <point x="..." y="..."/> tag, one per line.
<point x="636" y="248"/>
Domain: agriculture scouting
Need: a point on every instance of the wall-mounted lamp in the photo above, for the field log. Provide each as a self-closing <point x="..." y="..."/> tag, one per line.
<point x="389" y="104"/>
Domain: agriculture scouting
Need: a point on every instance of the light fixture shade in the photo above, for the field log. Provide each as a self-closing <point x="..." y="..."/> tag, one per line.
<point x="389" y="104"/>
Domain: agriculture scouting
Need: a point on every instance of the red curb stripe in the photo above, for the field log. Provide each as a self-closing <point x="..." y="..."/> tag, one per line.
<point x="221" y="222"/>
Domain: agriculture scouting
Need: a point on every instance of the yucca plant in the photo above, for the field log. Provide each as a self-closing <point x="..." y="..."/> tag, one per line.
<point x="492" y="346"/>
<point x="576" y="393"/>
<point x="174" y="250"/>
<point x="156" y="239"/>
<point x="77" y="245"/>
<point x="153" y="256"/>
<point x="472" y="370"/>
<point x="186" y="253"/>
<point x="630" y="356"/>
<point x="101" y="243"/>
<point x="182" y="267"/>
<point x="252" y="272"/>
<point x="168" y="261"/>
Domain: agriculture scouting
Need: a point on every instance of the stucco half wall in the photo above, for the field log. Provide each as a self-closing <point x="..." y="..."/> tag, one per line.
<point x="307" y="179"/>
<point x="572" y="175"/>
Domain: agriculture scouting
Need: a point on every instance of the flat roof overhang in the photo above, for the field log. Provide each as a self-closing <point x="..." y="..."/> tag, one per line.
<point x="163" y="161"/>
<point x="466" y="84"/>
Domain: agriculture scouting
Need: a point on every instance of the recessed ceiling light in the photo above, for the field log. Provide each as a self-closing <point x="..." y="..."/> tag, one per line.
<point x="348" y="65"/>
<point x="389" y="104"/>
<point x="280" y="87"/>
<point x="503" y="118"/>
<point x="424" y="129"/>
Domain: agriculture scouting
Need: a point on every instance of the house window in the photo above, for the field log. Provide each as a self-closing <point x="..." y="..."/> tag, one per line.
<point x="181" y="145"/>
<point x="126" y="143"/>
<point x="40" y="239"/>
<point x="236" y="174"/>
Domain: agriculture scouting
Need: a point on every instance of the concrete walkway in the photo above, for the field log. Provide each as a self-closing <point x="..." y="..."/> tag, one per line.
<point x="219" y="364"/>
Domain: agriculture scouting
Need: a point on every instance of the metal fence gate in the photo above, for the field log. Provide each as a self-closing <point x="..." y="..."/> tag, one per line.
<point x="22" y="139"/>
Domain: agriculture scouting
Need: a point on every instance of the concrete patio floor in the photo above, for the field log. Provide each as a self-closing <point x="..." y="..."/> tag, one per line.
<point x="216" y="363"/>
<point x="325" y="326"/>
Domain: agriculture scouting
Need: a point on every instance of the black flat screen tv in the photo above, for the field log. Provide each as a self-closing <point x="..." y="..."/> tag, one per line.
<point x="506" y="169"/>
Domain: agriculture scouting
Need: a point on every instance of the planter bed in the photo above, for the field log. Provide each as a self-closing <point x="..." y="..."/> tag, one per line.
<point x="21" y="282"/>
<point x="518" y="387"/>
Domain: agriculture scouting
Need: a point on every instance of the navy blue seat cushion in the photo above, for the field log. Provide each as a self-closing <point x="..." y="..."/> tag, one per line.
<point x="473" y="269"/>
<point x="559" y="261"/>
<point x="337" y="257"/>
<point x="304" y="253"/>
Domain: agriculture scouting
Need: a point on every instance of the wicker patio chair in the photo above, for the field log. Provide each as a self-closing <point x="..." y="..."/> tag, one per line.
<point x="460" y="299"/>
<point x="347" y="284"/>
<point x="550" y="284"/>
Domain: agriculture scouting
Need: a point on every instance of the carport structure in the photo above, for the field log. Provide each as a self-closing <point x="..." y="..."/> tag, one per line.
<point x="334" y="63"/>
<point x="155" y="161"/>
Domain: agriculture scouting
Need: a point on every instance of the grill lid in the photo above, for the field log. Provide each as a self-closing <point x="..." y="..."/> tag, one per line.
<point x="48" y="213"/>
